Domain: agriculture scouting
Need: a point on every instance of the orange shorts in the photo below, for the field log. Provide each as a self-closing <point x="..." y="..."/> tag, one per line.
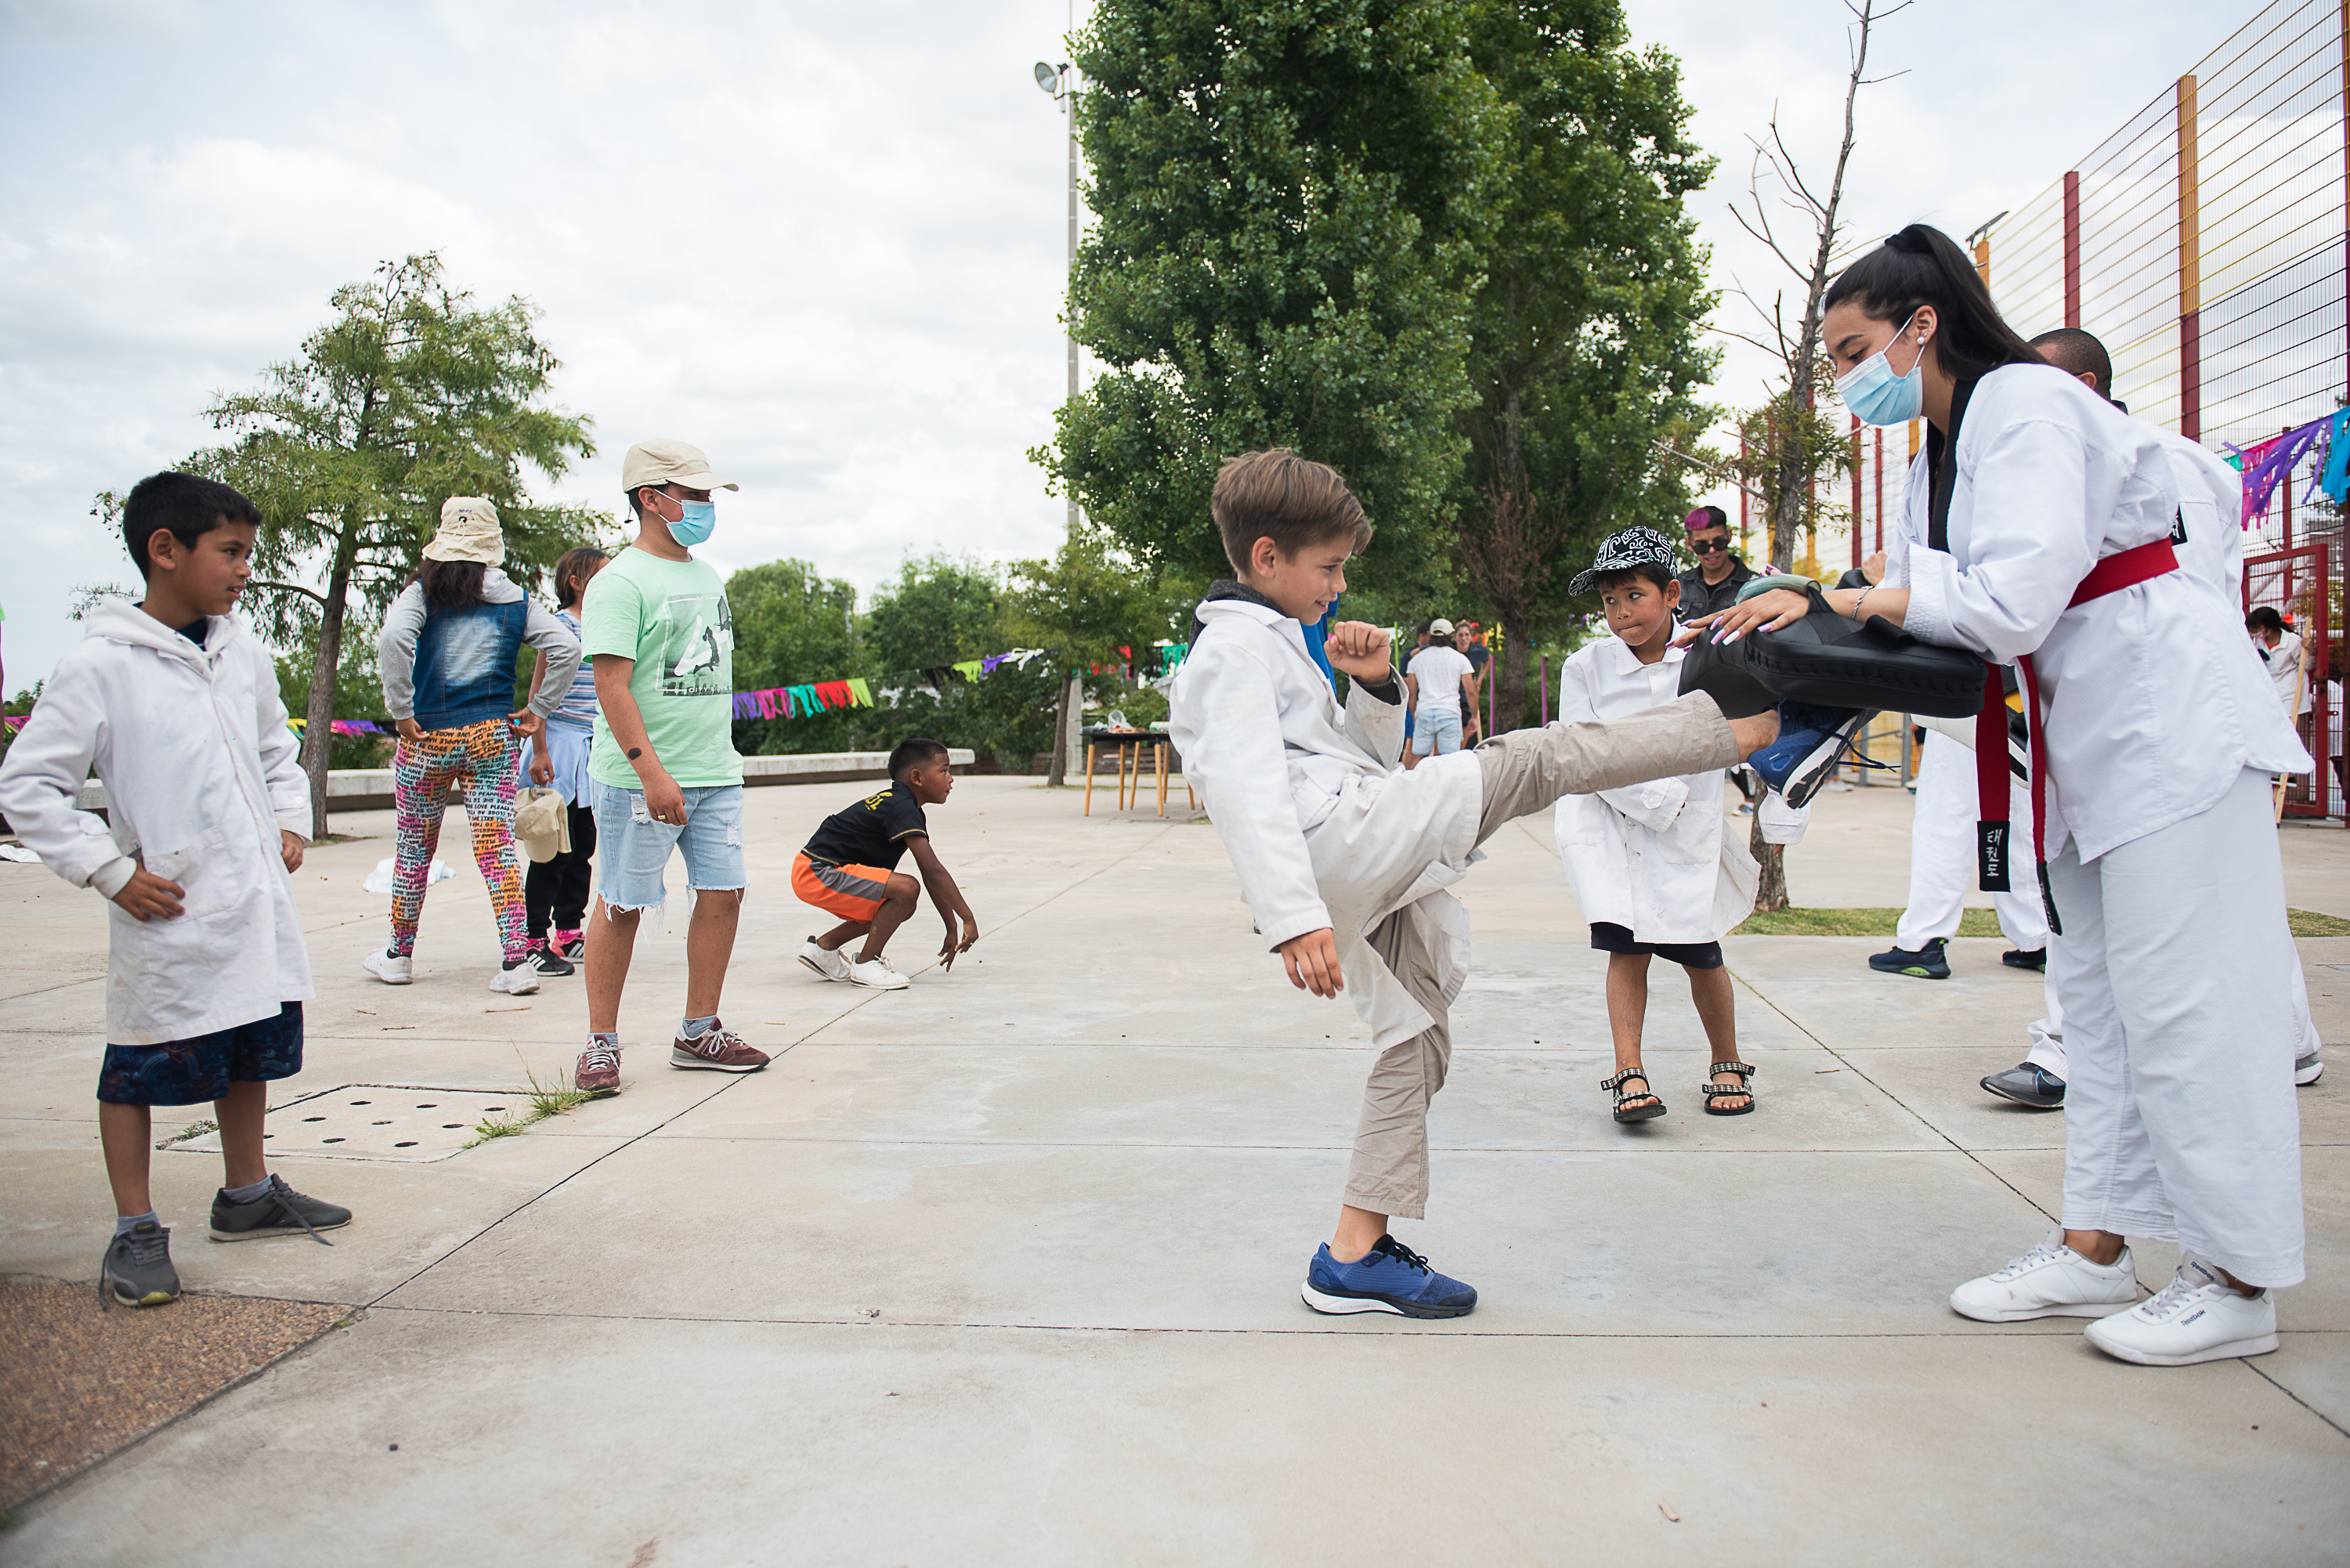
<point x="852" y="892"/>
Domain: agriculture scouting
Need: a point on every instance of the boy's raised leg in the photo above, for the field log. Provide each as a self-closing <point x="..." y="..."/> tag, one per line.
<point x="1526" y="771"/>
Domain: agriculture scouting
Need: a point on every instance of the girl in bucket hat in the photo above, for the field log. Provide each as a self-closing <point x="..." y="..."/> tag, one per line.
<point x="447" y="660"/>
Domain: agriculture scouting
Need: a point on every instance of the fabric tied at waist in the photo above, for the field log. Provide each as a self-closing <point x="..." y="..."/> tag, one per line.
<point x="2110" y="575"/>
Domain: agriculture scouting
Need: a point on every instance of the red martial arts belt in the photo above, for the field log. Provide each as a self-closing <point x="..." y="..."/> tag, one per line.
<point x="2109" y="576"/>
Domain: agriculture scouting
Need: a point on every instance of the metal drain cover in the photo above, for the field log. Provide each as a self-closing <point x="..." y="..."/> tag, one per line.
<point x="378" y="1121"/>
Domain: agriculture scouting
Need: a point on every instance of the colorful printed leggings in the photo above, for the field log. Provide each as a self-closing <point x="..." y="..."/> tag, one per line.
<point x="480" y="758"/>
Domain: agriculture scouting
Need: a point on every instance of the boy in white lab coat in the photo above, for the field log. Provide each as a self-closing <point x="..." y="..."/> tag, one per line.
<point x="1343" y="857"/>
<point x="176" y="708"/>
<point x="1649" y="864"/>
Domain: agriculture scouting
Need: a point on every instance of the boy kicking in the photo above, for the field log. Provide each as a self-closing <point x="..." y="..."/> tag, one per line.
<point x="176" y="709"/>
<point x="849" y="868"/>
<point x="1343" y="857"/>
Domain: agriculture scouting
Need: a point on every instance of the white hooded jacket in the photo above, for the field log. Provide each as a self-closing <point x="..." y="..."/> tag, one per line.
<point x="201" y="773"/>
<point x="1290" y="779"/>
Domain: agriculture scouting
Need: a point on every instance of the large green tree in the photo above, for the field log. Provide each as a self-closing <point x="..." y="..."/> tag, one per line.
<point x="1087" y="602"/>
<point x="793" y="626"/>
<point x="1290" y="196"/>
<point x="1585" y="339"/>
<point x="412" y="394"/>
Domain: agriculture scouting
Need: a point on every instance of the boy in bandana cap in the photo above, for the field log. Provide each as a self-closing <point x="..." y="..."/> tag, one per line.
<point x="1650" y="867"/>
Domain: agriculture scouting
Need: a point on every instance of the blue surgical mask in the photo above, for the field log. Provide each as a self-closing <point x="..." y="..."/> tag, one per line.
<point x="1874" y="395"/>
<point x="696" y="520"/>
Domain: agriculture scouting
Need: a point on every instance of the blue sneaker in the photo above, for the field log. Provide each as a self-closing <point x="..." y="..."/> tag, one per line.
<point x="1810" y="742"/>
<point x="1391" y="1277"/>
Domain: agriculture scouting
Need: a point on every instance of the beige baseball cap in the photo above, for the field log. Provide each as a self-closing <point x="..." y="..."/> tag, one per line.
<point x="658" y="463"/>
<point x="1439" y="627"/>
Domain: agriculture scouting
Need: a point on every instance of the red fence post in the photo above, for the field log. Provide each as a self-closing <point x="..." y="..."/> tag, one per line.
<point x="2072" y="247"/>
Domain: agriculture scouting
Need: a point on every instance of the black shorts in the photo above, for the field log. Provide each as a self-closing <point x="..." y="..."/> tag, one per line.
<point x="1614" y="938"/>
<point x="190" y="1072"/>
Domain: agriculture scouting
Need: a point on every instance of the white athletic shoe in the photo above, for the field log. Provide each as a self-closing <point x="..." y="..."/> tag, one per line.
<point x="519" y="981"/>
<point x="878" y="974"/>
<point x="2049" y="1280"/>
<point x="388" y="968"/>
<point x="2308" y="1070"/>
<point x="2196" y="1318"/>
<point x="828" y="965"/>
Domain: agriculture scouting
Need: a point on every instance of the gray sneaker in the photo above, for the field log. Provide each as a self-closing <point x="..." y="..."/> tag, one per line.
<point x="138" y="1272"/>
<point x="2027" y="1086"/>
<point x="279" y="1211"/>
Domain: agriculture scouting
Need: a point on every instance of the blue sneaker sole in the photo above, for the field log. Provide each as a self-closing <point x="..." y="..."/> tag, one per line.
<point x="1338" y="1304"/>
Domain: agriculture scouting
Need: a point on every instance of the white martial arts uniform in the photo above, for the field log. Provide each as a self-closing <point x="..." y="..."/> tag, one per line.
<point x="1942" y="853"/>
<point x="2159" y="733"/>
<point x="1650" y="857"/>
<point x="2210" y="512"/>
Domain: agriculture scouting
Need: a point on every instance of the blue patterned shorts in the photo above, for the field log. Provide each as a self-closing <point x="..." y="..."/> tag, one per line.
<point x="190" y="1072"/>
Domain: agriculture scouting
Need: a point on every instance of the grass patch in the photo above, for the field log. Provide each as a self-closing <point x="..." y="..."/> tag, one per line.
<point x="1851" y="923"/>
<point x="194" y="1129"/>
<point x="1972" y="923"/>
<point x="549" y="1099"/>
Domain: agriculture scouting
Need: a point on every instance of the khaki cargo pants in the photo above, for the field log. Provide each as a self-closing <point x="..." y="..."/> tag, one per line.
<point x="1525" y="772"/>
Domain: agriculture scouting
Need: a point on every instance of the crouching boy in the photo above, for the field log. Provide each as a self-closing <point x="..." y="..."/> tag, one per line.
<point x="176" y="709"/>
<point x="1343" y="857"/>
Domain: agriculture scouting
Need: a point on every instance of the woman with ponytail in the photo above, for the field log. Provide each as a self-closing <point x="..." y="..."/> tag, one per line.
<point x="2038" y="528"/>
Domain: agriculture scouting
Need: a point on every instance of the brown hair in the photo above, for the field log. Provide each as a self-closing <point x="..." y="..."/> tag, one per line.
<point x="1291" y="500"/>
<point x="574" y="563"/>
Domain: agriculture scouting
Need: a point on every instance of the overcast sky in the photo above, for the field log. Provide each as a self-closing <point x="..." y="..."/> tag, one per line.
<point x="823" y="242"/>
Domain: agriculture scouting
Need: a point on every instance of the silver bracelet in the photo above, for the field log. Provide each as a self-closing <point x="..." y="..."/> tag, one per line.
<point x="1862" y="601"/>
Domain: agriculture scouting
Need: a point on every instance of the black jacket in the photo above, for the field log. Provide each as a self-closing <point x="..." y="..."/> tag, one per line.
<point x="1700" y="597"/>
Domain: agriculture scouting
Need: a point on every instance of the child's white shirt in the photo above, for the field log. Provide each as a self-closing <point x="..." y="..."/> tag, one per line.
<point x="1290" y="778"/>
<point x="201" y="773"/>
<point x="1652" y="858"/>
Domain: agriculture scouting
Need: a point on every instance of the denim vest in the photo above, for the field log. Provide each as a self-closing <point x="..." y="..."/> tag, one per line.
<point x="465" y="663"/>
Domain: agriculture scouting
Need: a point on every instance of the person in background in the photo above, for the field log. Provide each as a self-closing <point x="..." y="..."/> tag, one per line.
<point x="447" y="658"/>
<point x="1437" y="685"/>
<point x="555" y="891"/>
<point x="1713" y="583"/>
<point x="1465" y="644"/>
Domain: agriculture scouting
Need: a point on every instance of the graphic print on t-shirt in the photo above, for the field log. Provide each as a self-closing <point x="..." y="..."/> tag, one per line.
<point x="697" y="658"/>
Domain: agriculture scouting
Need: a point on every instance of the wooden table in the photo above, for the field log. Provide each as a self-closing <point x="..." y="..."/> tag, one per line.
<point x="1130" y="744"/>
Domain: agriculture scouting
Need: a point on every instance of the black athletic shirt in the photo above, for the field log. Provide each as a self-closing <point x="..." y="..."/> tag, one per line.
<point x="872" y="831"/>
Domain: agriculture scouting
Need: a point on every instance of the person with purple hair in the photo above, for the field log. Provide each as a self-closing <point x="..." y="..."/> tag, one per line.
<point x="1713" y="583"/>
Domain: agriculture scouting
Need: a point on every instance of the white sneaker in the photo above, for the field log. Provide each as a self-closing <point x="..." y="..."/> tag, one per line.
<point x="519" y="981"/>
<point x="389" y="967"/>
<point x="878" y="974"/>
<point x="828" y="965"/>
<point x="2308" y="1070"/>
<point x="2196" y="1318"/>
<point x="2049" y="1280"/>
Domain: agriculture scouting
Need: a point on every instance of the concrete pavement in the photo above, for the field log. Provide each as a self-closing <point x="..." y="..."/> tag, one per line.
<point x="1003" y="1268"/>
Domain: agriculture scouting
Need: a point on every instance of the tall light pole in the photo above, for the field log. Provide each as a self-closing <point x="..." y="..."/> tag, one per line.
<point x="1057" y="82"/>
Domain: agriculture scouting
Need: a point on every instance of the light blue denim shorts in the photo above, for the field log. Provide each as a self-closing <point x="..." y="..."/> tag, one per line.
<point x="632" y="848"/>
<point x="1438" y="732"/>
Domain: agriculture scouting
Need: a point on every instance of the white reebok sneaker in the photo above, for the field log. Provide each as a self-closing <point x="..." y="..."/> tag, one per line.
<point x="519" y="981"/>
<point x="833" y="965"/>
<point x="2196" y="1318"/>
<point x="2049" y="1280"/>
<point x="388" y="968"/>
<point x="878" y="974"/>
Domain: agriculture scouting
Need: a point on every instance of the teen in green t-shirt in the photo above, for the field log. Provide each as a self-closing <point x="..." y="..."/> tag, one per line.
<point x="656" y="626"/>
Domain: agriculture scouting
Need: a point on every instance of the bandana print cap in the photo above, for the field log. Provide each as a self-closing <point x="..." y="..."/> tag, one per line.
<point x="1622" y="551"/>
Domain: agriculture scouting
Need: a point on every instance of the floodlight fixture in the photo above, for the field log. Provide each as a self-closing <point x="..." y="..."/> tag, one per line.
<point x="1049" y="78"/>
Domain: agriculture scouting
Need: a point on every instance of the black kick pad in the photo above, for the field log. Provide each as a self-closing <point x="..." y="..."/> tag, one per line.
<point x="1834" y="661"/>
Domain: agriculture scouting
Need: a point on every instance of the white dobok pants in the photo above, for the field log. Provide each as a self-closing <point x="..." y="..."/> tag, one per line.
<point x="1942" y="853"/>
<point x="2173" y="969"/>
<point x="2047" y="1051"/>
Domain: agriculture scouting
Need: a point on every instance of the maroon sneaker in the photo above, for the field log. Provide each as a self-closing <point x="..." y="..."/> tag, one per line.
<point x="719" y="1048"/>
<point x="598" y="1072"/>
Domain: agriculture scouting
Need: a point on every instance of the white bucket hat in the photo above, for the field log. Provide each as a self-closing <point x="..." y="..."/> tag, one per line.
<point x="469" y="532"/>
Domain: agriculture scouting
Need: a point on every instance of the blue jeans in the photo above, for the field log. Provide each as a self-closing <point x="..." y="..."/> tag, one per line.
<point x="1438" y="731"/>
<point x="633" y="849"/>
